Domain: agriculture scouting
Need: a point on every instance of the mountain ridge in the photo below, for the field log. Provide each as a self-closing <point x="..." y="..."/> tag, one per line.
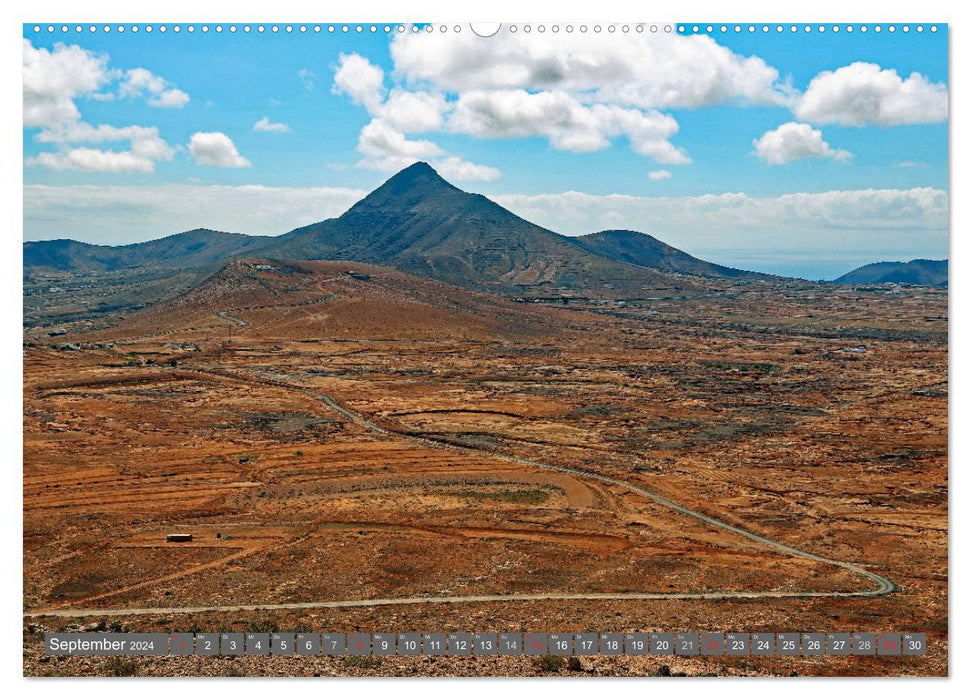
<point x="418" y="222"/>
<point x="919" y="271"/>
<point x="194" y="248"/>
<point x="644" y="250"/>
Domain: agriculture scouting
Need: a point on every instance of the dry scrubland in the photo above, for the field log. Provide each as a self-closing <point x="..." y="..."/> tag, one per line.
<point x="813" y="415"/>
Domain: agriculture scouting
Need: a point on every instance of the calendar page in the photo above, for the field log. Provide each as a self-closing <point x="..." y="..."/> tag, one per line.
<point x="519" y="349"/>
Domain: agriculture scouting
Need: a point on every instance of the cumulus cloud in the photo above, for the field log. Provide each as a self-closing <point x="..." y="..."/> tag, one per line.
<point x="656" y="71"/>
<point x="568" y="120"/>
<point x="386" y="149"/>
<point x="454" y="168"/>
<point x="864" y="93"/>
<point x="360" y="80"/>
<point x="383" y="141"/>
<point x="104" y="214"/>
<point x="793" y="141"/>
<point x="265" y="124"/>
<point x="146" y="147"/>
<point x="586" y="91"/>
<point x="173" y="98"/>
<point x="580" y="91"/>
<point x="93" y="160"/>
<point x="379" y="141"/>
<point x="659" y="175"/>
<point x="158" y="91"/>
<point x="406" y="111"/>
<point x="139" y="80"/>
<point x="567" y="123"/>
<point x="54" y="79"/>
<point x="413" y="112"/>
<point x="215" y="148"/>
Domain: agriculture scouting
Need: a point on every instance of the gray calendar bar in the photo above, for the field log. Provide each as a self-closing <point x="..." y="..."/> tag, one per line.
<point x="886" y="645"/>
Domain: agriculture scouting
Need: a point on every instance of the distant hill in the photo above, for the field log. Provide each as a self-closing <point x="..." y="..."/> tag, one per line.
<point x="267" y="298"/>
<point x="197" y="248"/>
<point x="418" y="222"/>
<point x="646" y="251"/>
<point x="923" y="272"/>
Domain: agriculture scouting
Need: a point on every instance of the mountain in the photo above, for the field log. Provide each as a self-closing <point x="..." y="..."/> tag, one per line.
<point x="261" y="298"/>
<point x="418" y="222"/>
<point x="646" y="251"/>
<point x="197" y="248"/>
<point x="922" y="272"/>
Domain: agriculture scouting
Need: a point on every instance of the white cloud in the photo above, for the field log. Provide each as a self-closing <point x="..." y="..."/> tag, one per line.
<point x="157" y="90"/>
<point x="215" y="148"/>
<point x="579" y="92"/>
<point x="864" y="93"/>
<point x="386" y="149"/>
<point x="565" y="121"/>
<point x="659" y="175"/>
<point x="651" y="71"/>
<point x="413" y="112"/>
<point x="54" y="79"/>
<point x="172" y="98"/>
<point x="360" y="80"/>
<point x="383" y="141"/>
<point x="406" y="111"/>
<point x="793" y="141"/>
<point x="93" y="160"/>
<point x="306" y="78"/>
<point x="139" y="80"/>
<point x="146" y="148"/>
<point x="453" y="168"/>
<point x="265" y="124"/>
<point x="379" y="140"/>
<point x="104" y="214"/>
<point x="145" y="139"/>
<point x="837" y="220"/>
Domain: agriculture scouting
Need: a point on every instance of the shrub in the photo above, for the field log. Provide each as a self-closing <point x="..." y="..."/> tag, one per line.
<point x="551" y="664"/>
<point x="355" y="661"/>
<point x="118" y="666"/>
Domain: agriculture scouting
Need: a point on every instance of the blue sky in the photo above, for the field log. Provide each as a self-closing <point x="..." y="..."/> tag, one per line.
<point x="789" y="152"/>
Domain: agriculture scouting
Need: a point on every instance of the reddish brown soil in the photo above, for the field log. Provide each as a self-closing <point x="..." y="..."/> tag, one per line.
<point x="753" y="405"/>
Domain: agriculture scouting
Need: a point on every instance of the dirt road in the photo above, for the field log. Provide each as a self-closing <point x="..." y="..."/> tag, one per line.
<point x="881" y="584"/>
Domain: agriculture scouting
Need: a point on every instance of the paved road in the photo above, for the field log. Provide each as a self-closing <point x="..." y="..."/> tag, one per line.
<point x="881" y="584"/>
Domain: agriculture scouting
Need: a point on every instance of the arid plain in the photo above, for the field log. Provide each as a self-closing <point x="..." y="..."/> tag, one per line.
<point x="346" y="432"/>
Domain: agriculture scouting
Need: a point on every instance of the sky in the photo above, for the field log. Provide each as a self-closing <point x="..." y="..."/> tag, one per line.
<point x="801" y="153"/>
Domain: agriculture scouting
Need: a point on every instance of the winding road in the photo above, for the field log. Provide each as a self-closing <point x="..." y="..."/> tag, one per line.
<point x="881" y="584"/>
